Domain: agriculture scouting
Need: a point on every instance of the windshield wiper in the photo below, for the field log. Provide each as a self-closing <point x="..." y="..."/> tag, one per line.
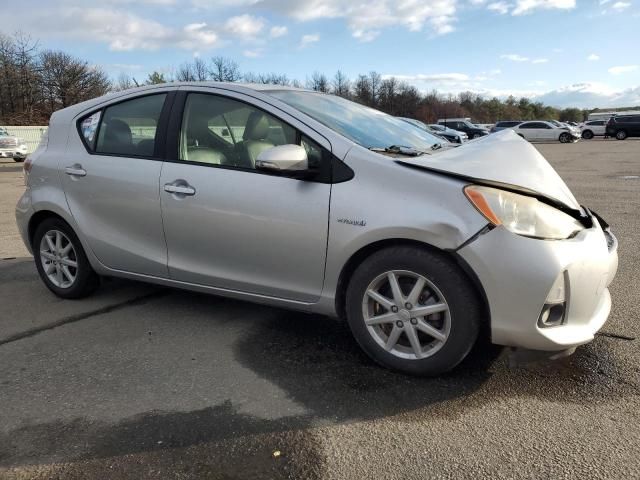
<point x="400" y="150"/>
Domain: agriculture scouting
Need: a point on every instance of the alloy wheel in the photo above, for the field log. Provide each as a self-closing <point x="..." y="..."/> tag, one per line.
<point x="59" y="259"/>
<point x="406" y="314"/>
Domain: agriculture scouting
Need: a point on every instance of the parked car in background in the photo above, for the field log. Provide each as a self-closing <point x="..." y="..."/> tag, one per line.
<point x="623" y="126"/>
<point x="593" y="128"/>
<point x="501" y="125"/>
<point x="319" y="204"/>
<point x="12" y="147"/>
<point x="538" y="131"/>
<point x="449" y="133"/>
<point x="575" y="130"/>
<point x="463" y="125"/>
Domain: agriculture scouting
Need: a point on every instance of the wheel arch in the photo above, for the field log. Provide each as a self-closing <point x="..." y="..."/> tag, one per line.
<point x="366" y="251"/>
<point x="37" y="219"/>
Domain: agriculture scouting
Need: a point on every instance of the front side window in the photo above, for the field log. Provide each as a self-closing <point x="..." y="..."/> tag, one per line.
<point x="222" y="131"/>
<point x="362" y="125"/>
<point x="129" y="127"/>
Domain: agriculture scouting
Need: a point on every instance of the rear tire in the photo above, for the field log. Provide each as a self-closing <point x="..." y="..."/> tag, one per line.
<point x="18" y="160"/>
<point x="587" y="134"/>
<point x="621" y="135"/>
<point x="388" y="331"/>
<point x="61" y="261"/>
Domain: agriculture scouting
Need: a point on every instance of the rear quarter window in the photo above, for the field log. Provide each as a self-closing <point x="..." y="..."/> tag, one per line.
<point x="88" y="129"/>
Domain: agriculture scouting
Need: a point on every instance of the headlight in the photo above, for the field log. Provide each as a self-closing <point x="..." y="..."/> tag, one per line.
<point x="521" y="214"/>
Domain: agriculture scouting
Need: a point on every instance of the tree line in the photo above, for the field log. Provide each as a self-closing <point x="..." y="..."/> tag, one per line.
<point x="36" y="82"/>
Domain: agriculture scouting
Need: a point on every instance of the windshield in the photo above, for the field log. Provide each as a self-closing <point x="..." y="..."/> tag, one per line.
<point x="362" y="125"/>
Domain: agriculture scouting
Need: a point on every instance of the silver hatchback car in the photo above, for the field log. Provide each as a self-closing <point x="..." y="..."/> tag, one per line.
<point x="309" y="201"/>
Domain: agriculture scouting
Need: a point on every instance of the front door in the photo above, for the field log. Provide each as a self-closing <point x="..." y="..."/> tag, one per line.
<point x="110" y="176"/>
<point x="230" y="226"/>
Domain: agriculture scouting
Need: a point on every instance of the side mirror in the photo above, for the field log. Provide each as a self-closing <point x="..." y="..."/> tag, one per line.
<point x="283" y="158"/>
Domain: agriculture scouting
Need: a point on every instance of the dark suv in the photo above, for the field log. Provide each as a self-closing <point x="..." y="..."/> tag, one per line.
<point x="469" y="128"/>
<point x="504" y="124"/>
<point x="623" y="126"/>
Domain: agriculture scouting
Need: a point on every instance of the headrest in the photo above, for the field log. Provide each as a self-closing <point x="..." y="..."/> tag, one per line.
<point x="257" y="127"/>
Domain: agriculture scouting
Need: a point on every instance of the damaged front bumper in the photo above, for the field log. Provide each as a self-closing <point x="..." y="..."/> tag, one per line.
<point x="519" y="276"/>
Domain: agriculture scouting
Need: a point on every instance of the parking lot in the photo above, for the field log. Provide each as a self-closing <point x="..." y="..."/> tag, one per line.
<point x="143" y="382"/>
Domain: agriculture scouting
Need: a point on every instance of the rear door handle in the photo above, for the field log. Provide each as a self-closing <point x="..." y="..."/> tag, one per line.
<point x="179" y="189"/>
<point x="75" y="171"/>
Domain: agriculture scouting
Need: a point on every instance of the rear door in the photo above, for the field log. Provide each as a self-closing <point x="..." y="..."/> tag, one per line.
<point x="634" y="125"/>
<point x="111" y="179"/>
<point x="229" y="225"/>
<point x="528" y="131"/>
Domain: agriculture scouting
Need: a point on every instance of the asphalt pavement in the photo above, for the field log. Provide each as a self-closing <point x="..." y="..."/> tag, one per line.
<point x="141" y="382"/>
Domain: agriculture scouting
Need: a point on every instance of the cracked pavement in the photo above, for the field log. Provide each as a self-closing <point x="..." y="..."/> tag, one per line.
<point x="147" y="383"/>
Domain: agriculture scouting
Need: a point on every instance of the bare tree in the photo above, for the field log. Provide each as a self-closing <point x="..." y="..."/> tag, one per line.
<point x="65" y="80"/>
<point x="266" y="78"/>
<point x="362" y="90"/>
<point x="224" y="70"/>
<point x="318" y="82"/>
<point x="124" y="82"/>
<point x="341" y="85"/>
<point x="374" y="83"/>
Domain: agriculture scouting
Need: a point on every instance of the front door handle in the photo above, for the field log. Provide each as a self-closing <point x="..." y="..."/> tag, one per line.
<point x="75" y="171"/>
<point x="180" y="189"/>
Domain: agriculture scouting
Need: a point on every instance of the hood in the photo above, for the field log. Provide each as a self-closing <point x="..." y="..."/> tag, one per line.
<point x="500" y="158"/>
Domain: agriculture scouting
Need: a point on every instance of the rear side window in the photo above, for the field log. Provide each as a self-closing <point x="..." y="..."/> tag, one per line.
<point x="129" y="127"/>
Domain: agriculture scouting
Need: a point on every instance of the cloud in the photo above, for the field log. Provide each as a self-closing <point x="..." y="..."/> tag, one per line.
<point x="252" y="53"/>
<point x="590" y="95"/>
<point x="499" y="7"/>
<point x="366" y="20"/>
<point x="527" y="6"/>
<point x="514" y="57"/>
<point x="278" y="31"/>
<point x="623" y="69"/>
<point x="120" y="30"/>
<point x="244" y="26"/>
<point x="433" y="78"/>
<point x="620" y="5"/>
<point x="307" y="40"/>
<point x="593" y="57"/>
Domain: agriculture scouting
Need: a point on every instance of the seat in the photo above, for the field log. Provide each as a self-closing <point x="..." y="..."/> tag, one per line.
<point x="117" y="138"/>
<point x="205" y="155"/>
<point x="255" y="138"/>
<point x="145" y="147"/>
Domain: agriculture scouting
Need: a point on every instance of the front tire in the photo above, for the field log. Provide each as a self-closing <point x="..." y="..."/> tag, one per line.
<point x="565" y="138"/>
<point x="476" y="135"/>
<point x="18" y="159"/>
<point x="621" y="135"/>
<point x="413" y="310"/>
<point x="61" y="261"/>
<point x="587" y="134"/>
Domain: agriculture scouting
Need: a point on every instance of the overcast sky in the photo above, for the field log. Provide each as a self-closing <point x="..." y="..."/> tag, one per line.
<point x="565" y="52"/>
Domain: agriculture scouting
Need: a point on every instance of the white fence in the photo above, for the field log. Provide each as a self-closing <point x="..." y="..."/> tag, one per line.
<point x="31" y="135"/>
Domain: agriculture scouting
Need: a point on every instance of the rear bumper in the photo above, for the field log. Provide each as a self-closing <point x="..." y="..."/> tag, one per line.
<point x="517" y="274"/>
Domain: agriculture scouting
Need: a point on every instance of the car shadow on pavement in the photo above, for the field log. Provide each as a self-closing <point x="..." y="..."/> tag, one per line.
<point x="316" y="360"/>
